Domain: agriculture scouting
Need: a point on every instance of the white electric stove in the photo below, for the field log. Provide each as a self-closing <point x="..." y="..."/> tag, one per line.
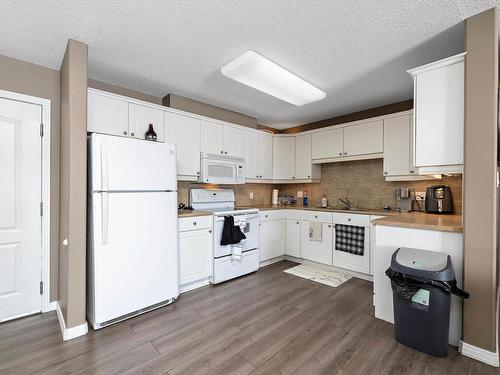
<point x="221" y="203"/>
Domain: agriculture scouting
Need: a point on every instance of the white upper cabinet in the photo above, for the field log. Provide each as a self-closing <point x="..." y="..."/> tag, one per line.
<point x="107" y="114"/>
<point x="363" y="139"/>
<point x="184" y="132"/>
<point x="212" y="137"/>
<point x="233" y="141"/>
<point x="251" y="149"/>
<point x="439" y="115"/>
<point x="397" y="146"/>
<point x="265" y="156"/>
<point x="141" y="116"/>
<point x="304" y="169"/>
<point x="328" y="144"/>
<point x="284" y="158"/>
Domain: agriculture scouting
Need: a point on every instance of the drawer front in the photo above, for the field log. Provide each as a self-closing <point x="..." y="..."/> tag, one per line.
<point x="194" y="223"/>
<point x="272" y="215"/>
<point x="323" y="217"/>
<point x="351" y="219"/>
<point x="293" y="214"/>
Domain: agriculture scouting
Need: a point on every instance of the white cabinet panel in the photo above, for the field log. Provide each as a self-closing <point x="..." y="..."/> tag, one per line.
<point x="397" y="146"/>
<point x="292" y="241"/>
<point x="362" y="139"/>
<point x="139" y="119"/>
<point x="233" y="141"/>
<point x="328" y="144"/>
<point x="284" y="158"/>
<point x="265" y="156"/>
<point x="184" y="132"/>
<point x="317" y="251"/>
<point x="439" y="113"/>
<point x="195" y="256"/>
<point x="272" y="235"/>
<point x="303" y="161"/>
<point x="107" y="115"/>
<point x="279" y="240"/>
<point x="266" y="240"/>
<point x="212" y="137"/>
<point x="251" y="147"/>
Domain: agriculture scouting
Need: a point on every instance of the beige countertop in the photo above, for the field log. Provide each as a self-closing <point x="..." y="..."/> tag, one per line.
<point x="417" y="220"/>
<point x="328" y="209"/>
<point x="420" y="220"/>
<point x="192" y="213"/>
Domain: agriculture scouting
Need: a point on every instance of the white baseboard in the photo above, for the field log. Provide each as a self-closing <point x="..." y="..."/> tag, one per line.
<point x="271" y="261"/>
<point x="485" y="356"/>
<point x="73" y="332"/>
<point x="52" y="306"/>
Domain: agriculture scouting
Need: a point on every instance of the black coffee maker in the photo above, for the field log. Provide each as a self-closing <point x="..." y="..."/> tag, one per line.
<point x="438" y="200"/>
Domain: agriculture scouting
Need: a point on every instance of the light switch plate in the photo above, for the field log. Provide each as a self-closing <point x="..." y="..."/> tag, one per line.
<point x="299" y="194"/>
<point x="251" y="195"/>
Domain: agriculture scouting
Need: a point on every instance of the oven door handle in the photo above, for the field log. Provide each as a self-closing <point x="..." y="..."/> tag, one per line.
<point x="247" y="217"/>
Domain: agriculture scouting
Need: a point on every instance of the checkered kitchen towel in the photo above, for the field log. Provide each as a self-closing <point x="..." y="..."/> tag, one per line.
<point x="350" y="238"/>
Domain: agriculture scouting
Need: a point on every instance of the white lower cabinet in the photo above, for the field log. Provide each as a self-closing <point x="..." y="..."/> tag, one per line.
<point x="321" y="249"/>
<point x="272" y="234"/>
<point x="195" y="252"/>
<point x="292" y="241"/>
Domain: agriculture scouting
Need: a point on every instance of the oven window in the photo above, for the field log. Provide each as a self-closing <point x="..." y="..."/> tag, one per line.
<point x="220" y="170"/>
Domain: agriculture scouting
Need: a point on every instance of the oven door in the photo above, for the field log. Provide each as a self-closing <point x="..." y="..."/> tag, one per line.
<point x="218" y="172"/>
<point x="251" y="232"/>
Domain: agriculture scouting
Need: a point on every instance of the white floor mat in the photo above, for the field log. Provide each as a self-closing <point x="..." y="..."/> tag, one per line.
<point x="321" y="275"/>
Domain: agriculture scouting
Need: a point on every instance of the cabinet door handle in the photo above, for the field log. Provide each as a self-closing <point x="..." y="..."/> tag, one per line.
<point x="125" y="133"/>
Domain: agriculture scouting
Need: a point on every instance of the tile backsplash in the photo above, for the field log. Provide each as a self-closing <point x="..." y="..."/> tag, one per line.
<point x="362" y="182"/>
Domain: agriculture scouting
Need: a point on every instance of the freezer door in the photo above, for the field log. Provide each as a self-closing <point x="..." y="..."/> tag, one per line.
<point x="127" y="164"/>
<point x="134" y="253"/>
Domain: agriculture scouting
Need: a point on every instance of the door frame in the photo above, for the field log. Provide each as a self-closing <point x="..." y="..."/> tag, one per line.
<point x="45" y="105"/>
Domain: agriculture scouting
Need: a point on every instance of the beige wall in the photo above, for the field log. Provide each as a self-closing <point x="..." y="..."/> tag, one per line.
<point x="35" y="80"/>
<point x="124" y="91"/>
<point x="72" y="259"/>
<point x="480" y="194"/>
<point x="363" y="183"/>
<point x="203" y="109"/>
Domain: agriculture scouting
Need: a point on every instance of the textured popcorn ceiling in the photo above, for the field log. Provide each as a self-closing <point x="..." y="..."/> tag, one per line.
<point x="357" y="51"/>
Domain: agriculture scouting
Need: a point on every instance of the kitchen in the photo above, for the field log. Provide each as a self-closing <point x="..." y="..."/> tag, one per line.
<point x="295" y="193"/>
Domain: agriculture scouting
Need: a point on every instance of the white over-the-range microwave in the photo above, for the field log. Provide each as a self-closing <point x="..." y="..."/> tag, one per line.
<point x="222" y="169"/>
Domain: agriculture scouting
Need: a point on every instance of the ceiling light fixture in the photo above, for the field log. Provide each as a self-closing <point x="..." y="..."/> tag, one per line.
<point x="257" y="71"/>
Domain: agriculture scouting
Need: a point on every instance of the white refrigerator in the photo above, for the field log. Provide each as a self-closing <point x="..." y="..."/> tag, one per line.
<point x="132" y="258"/>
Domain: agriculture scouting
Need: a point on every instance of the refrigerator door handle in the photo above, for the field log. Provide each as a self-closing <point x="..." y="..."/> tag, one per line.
<point x="104" y="167"/>
<point x="104" y="212"/>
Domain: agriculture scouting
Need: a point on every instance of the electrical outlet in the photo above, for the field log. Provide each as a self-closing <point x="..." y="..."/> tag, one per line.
<point x="420" y="196"/>
<point x="251" y="195"/>
<point x="299" y="194"/>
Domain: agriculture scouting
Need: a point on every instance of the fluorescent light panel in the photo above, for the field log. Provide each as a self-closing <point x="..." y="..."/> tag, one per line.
<point x="257" y="71"/>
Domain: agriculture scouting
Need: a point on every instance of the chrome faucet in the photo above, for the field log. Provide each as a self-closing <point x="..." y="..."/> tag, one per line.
<point x="347" y="202"/>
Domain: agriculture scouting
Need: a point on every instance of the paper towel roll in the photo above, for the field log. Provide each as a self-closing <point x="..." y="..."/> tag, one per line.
<point x="275" y="196"/>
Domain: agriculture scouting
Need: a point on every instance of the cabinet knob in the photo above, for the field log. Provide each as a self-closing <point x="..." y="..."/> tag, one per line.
<point x="197" y="173"/>
<point x="340" y="153"/>
<point x="412" y="171"/>
<point x="222" y="152"/>
<point x="225" y="152"/>
<point x="125" y="133"/>
<point x="308" y="176"/>
<point x="194" y="222"/>
<point x="210" y="231"/>
<point x="293" y="177"/>
<point x="329" y="225"/>
<point x="315" y="216"/>
<point x="298" y="222"/>
<point x="257" y="176"/>
<point x="265" y="215"/>
<point x="349" y="219"/>
<point x="345" y="153"/>
<point x="386" y="173"/>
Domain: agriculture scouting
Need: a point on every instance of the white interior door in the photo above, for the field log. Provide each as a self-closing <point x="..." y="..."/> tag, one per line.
<point x="20" y="220"/>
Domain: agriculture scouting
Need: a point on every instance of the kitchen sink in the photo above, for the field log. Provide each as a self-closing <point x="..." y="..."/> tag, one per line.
<point x="342" y="208"/>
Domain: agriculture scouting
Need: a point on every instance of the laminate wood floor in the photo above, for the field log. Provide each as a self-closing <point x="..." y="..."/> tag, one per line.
<point x="268" y="322"/>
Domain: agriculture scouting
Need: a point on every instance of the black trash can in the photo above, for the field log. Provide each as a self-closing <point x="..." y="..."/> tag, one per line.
<point x="422" y="283"/>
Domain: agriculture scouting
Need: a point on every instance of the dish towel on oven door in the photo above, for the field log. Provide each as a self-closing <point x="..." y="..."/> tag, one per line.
<point x="232" y="235"/>
<point x="350" y="238"/>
